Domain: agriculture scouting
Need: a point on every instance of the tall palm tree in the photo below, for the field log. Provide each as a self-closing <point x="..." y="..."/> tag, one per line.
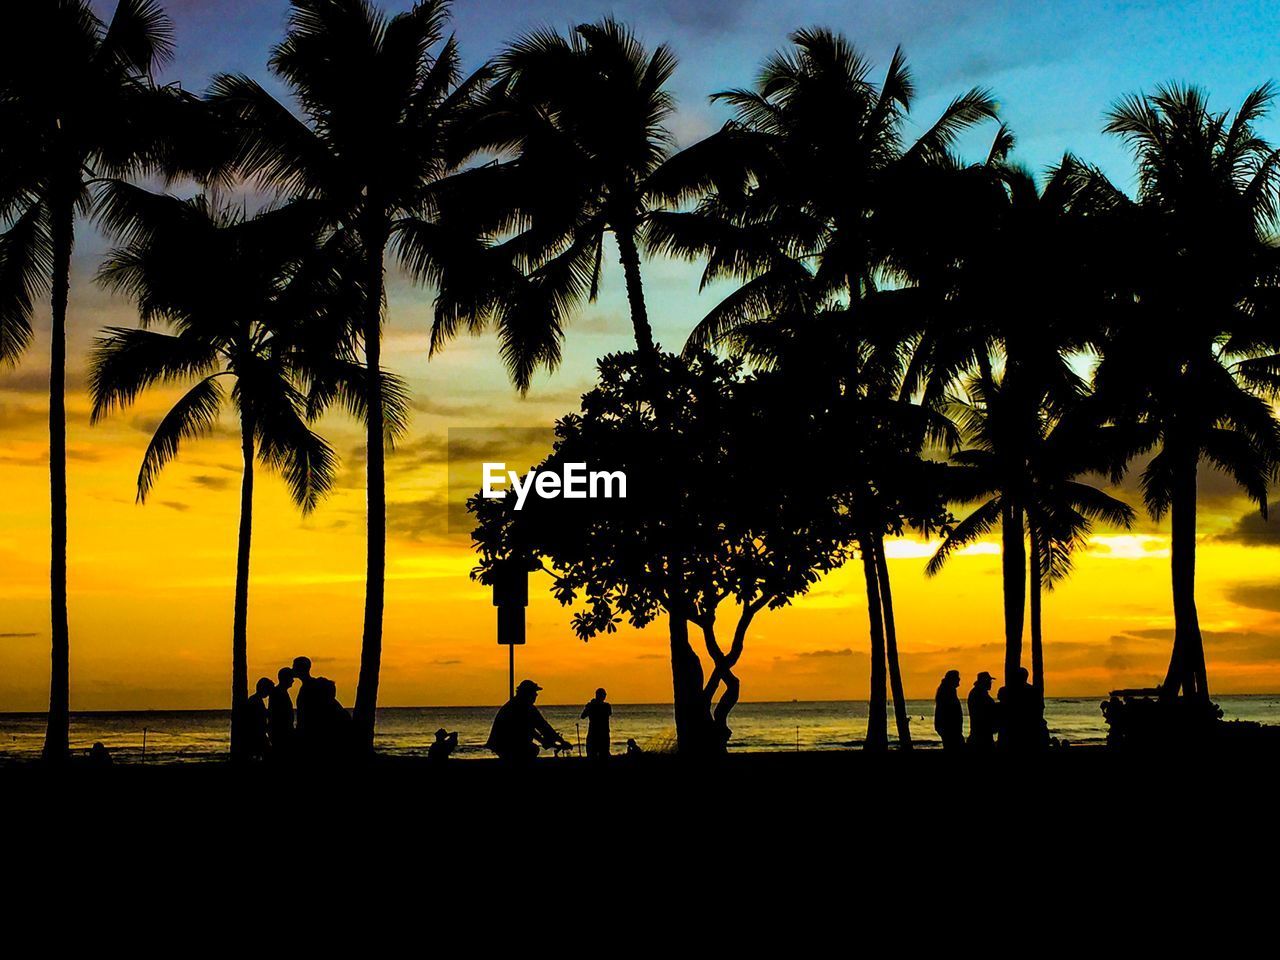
<point x="1026" y="252"/>
<point x="1195" y="322"/>
<point x="381" y="99"/>
<point x="239" y="294"/>
<point x="837" y="376"/>
<point x="827" y="193"/>
<point x="76" y="104"/>
<point x="1026" y="474"/>
<point x="581" y="121"/>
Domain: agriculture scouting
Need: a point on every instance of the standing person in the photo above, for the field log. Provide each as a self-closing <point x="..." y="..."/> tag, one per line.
<point x="597" y="712"/>
<point x="306" y="693"/>
<point x="948" y="718"/>
<point x="253" y="721"/>
<point x="983" y="714"/>
<point x="1021" y="714"/>
<point x="519" y="723"/>
<point x="280" y="716"/>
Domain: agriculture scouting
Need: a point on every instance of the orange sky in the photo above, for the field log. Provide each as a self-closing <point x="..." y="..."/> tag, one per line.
<point x="151" y="586"/>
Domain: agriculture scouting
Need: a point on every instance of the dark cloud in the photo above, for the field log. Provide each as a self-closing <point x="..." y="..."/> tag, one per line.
<point x="417" y="519"/>
<point x="1253" y="531"/>
<point x="17" y="636"/>
<point x="175" y="505"/>
<point x="211" y="482"/>
<point x="1256" y="596"/>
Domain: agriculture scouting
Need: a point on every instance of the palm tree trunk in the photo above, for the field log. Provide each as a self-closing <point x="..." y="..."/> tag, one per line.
<point x="240" y="625"/>
<point x="891" y="649"/>
<point x="1037" y="645"/>
<point x="57" y="732"/>
<point x="375" y="241"/>
<point x="630" y="257"/>
<point x="1186" y="663"/>
<point x="1014" y="564"/>
<point x="877" y="720"/>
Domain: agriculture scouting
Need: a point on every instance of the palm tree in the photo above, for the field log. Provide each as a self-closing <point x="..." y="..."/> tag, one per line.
<point x="823" y="206"/>
<point x="1025" y="473"/>
<point x="239" y="294"/>
<point x="1194" y="326"/>
<point x="838" y="379"/>
<point x="582" y="121"/>
<point x="382" y="98"/>
<point x="1027" y="251"/>
<point x="76" y="104"/>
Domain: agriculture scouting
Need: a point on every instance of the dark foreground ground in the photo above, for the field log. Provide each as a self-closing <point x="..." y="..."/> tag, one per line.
<point x="1169" y="848"/>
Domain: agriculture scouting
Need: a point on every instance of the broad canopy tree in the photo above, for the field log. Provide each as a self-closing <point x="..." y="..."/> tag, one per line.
<point x="719" y="507"/>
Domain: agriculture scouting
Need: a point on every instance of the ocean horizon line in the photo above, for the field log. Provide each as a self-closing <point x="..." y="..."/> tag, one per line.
<point x="568" y="704"/>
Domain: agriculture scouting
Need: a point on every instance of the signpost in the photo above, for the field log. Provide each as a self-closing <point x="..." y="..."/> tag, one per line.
<point x="511" y="596"/>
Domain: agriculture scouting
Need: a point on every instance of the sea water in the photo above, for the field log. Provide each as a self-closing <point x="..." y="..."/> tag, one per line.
<point x="178" y="735"/>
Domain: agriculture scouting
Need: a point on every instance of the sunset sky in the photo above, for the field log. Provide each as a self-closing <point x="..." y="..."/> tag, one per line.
<point x="151" y="586"/>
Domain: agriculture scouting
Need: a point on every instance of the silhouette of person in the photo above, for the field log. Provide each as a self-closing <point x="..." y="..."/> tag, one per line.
<point x="280" y="716"/>
<point x="253" y="721"/>
<point x="948" y="718"/>
<point x="519" y="723"/>
<point x="597" y="712"/>
<point x="331" y="729"/>
<point x="633" y="748"/>
<point x="1021" y="715"/>
<point x="306" y="686"/>
<point x="983" y="714"/>
<point x="99" y="755"/>
<point x="445" y="744"/>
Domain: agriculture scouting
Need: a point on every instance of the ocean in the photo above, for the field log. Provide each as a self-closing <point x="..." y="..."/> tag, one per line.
<point x="196" y="735"/>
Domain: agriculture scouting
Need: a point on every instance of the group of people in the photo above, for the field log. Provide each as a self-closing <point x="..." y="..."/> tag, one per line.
<point x="1012" y="721"/>
<point x="273" y="727"/>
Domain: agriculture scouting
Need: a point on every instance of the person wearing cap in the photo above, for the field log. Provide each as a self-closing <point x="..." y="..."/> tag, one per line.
<point x="445" y="743"/>
<point x="982" y="714"/>
<point x="948" y="718"/>
<point x="519" y="723"/>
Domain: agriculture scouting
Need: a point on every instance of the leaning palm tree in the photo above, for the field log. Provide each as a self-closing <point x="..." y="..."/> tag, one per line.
<point x="1196" y="321"/>
<point x="240" y="295"/>
<point x="381" y="99"/>
<point x="76" y="104"/>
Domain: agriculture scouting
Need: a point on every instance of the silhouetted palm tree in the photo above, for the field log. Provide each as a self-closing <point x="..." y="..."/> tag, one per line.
<point x="76" y="104"/>
<point x="240" y="295"/>
<point x="1025" y="471"/>
<point x="1195" y="322"/>
<point x="826" y="191"/>
<point x="1026" y="252"/>
<point x="381" y="97"/>
<point x="582" y="120"/>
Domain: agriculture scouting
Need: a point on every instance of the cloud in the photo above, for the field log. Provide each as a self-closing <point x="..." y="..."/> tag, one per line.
<point x="211" y="482"/>
<point x="846" y="652"/>
<point x="17" y="636"/>
<point x="1256" y="596"/>
<point x="417" y="519"/>
<point x="175" y="505"/>
<point x="1253" y="531"/>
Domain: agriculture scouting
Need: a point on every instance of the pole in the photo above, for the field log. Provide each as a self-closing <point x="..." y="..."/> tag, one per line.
<point x="511" y="670"/>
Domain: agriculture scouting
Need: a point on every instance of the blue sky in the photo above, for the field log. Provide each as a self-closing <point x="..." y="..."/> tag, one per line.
<point x="1055" y="67"/>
